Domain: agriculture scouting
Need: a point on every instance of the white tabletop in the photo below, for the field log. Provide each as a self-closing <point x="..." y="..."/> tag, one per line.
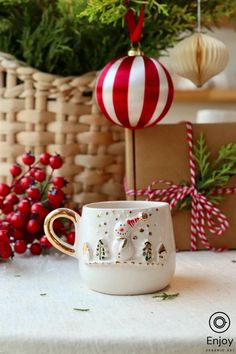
<point x="31" y="323"/>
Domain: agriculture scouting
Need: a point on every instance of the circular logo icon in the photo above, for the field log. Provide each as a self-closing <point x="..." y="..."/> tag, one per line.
<point x="219" y="322"/>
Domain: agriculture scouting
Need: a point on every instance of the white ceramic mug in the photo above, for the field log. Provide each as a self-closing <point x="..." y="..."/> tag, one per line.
<point x="123" y="247"/>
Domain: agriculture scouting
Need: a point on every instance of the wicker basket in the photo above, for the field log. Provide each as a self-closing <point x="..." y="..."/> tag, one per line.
<point x="43" y="112"/>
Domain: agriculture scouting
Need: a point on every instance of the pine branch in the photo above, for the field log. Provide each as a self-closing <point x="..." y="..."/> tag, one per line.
<point x="112" y="11"/>
<point x="201" y="156"/>
<point x="227" y="152"/>
<point x="216" y="173"/>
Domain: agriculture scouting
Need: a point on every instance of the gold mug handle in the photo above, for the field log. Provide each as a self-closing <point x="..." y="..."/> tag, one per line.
<point x="51" y="235"/>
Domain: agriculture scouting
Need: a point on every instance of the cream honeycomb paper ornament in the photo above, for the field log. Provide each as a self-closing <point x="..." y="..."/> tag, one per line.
<point x="199" y="58"/>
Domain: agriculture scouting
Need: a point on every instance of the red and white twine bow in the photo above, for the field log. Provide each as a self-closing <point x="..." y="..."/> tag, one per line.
<point x="203" y="212"/>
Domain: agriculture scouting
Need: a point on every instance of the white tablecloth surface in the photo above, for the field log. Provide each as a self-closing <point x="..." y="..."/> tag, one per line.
<point x="34" y="324"/>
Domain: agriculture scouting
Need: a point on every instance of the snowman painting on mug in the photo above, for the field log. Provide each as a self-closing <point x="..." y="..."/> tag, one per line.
<point x="122" y="247"/>
<point x="125" y="240"/>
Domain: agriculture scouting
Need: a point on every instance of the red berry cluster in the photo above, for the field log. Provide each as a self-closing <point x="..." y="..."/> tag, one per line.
<point x="25" y="203"/>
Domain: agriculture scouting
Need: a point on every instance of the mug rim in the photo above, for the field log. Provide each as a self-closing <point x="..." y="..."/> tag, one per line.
<point x="125" y="205"/>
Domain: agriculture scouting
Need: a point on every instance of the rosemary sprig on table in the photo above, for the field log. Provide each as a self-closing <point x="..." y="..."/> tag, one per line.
<point x="165" y="296"/>
<point x="79" y="309"/>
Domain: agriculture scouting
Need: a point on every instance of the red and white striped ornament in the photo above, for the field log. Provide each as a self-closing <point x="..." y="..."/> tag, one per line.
<point x="134" y="91"/>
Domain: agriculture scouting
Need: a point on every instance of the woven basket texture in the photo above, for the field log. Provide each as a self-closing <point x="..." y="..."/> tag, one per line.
<point x="43" y="112"/>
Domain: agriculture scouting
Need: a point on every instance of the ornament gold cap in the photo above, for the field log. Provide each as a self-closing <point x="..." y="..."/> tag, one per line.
<point x="135" y="51"/>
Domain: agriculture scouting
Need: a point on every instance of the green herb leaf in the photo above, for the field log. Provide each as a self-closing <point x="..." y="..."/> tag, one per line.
<point x="43" y="294"/>
<point x="165" y="296"/>
<point x="79" y="309"/>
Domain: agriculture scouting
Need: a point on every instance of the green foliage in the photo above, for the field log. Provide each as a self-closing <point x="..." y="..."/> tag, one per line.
<point x="164" y="20"/>
<point x="112" y="11"/>
<point x="214" y="173"/>
<point x="211" y="173"/>
<point x="50" y="36"/>
<point x="70" y="37"/>
<point x="201" y="156"/>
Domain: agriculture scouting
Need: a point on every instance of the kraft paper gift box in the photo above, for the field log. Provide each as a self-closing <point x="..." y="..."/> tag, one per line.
<point x="161" y="152"/>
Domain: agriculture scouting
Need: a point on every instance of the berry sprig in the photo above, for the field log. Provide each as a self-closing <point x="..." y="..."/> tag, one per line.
<point x="26" y="201"/>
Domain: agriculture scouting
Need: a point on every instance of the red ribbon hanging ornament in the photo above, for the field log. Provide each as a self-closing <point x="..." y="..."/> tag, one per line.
<point x="134" y="91"/>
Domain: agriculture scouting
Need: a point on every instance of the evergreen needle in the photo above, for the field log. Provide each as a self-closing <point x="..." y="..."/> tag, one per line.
<point x="165" y="296"/>
<point x="79" y="309"/>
